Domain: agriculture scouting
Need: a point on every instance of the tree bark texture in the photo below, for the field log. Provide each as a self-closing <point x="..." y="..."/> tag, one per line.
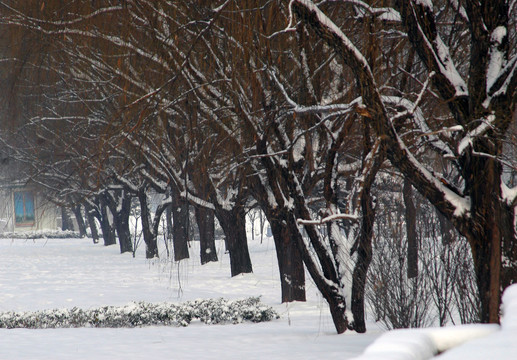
<point x="80" y="220"/>
<point x="108" y="230"/>
<point x="411" y="233"/>
<point x="180" y="219"/>
<point x="205" y="219"/>
<point x="233" y="223"/>
<point x="91" y="223"/>
<point x="150" y="237"/>
<point x="66" y="221"/>
<point x="290" y="263"/>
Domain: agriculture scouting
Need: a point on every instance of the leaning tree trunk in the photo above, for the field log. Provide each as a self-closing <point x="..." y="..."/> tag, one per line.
<point x="80" y="220"/>
<point x="206" y="225"/>
<point x="91" y="222"/>
<point x="233" y="223"/>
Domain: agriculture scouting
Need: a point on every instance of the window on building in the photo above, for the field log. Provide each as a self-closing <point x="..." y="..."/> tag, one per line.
<point x="24" y="207"/>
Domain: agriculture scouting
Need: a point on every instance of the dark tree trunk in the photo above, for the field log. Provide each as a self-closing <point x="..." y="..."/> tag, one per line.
<point x="488" y="226"/>
<point x="180" y="219"/>
<point x="290" y="263"/>
<point x="169" y="227"/>
<point x="91" y="223"/>
<point x="108" y="231"/>
<point x="121" y="220"/>
<point x="206" y="225"/>
<point x="233" y="223"/>
<point x="66" y="221"/>
<point x="80" y="220"/>
<point x="326" y="280"/>
<point x="150" y="237"/>
<point x="121" y="209"/>
<point x="364" y="258"/>
<point x="411" y="233"/>
<point x="446" y="229"/>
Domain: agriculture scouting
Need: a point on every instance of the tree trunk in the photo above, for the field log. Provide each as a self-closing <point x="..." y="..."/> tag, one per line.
<point x="91" y="223"/>
<point x="325" y="279"/>
<point x="121" y="212"/>
<point x="206" y="225"/>
<point x="108" y="231"/>
<point x="290" y="263"/>
<point x="411" y="233"/>
<point x="169" y="227"/>
<point x="80" y="220"/>
<point x="121" y="220"/>
<point x="150" y="237"/>
<point x="364" y="258"/>
<point x="233" y="223"/>
<point x="180" y="238"/>
<point x="487" y="226"/>
<point x="66" y="222"/>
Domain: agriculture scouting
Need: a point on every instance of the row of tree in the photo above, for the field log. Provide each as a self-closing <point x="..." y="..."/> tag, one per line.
<point x="305" y="111"/>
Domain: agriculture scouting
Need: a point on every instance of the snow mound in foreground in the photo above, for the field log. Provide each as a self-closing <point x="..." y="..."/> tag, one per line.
<point x="423" y="344"/>
<point x="209" y="311"/>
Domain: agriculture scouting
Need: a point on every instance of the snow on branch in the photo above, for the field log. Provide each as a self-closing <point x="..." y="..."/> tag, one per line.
<point x="419" y="20"/>
<point x="486" y="125"/>
<point x="320" y="109"/>
<point x="382" y="13"/>
<point x="330" y="218"/>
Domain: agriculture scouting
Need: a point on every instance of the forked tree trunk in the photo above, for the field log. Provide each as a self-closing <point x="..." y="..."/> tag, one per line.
<point x="233" y="223"/>
<point x="326" y="279"/>
<point x="119" y="203"/>
<point x="206" y="225"/>
<point x="121" y="221"/>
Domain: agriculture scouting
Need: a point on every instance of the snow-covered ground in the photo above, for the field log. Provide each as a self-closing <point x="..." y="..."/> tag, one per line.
<point x="64" y="273"/>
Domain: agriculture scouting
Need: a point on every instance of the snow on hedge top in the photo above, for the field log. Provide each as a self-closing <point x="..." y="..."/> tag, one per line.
<point x="209" y="311"/>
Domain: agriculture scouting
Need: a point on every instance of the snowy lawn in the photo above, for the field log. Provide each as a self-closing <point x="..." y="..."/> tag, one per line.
<point x="65" y="273"/>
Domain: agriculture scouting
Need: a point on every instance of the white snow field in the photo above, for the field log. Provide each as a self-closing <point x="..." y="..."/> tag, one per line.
<point x="64" y="273"/>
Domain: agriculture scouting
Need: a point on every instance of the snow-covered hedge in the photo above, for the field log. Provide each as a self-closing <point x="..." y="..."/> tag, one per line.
<point x="41" y="234"/>
<point x="210" y="311"/>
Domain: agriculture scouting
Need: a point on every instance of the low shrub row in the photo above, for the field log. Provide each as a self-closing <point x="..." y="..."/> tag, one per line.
<point x="209" y="311"/>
